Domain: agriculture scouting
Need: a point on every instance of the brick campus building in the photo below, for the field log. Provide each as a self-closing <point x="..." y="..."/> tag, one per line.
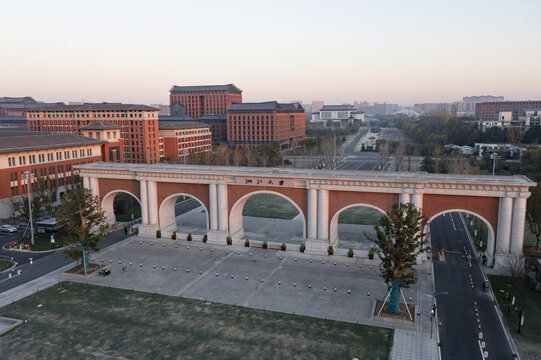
<point x="265" y="123"/>
<point x="488" y="111"/>
<point x="180" y="138"/>
<point x="49" y="155"/>
<point x="138" y="123"/>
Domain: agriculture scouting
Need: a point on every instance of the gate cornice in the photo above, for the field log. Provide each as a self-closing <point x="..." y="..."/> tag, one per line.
<point x="339" y="180"/>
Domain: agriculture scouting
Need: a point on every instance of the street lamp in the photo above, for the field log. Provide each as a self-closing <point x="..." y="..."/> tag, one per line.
<point x="28" y="178"/>
<point x="494" y="156"/>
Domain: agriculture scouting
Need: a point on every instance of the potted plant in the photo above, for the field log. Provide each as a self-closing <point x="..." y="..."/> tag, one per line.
<point x="350" y="252"/>
<point x="371" y="253"/>
<point x="174" y="235"/>
<point x="330" y="250"/>
<point x="247" y="243"/>
<point x="228" y="240"/>
<point x="283" y="247"/>
<point x="302" y="248"/>
<point x="205" y="238"/>
<point x="158" y="234"/>
<point x="265" y="244"/>
<point x="189" y="237"/>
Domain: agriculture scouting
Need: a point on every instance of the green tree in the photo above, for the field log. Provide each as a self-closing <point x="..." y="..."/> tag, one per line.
<point x="533" y="214"/>
<point x="399" y="239"/>
<point x="533" y="135"/>
<point x="530" y="163"/>
<point x="85" y="223"/>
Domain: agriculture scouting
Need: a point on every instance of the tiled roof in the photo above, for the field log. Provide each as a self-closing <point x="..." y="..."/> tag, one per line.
<point x="100" y="125"/>
<point x="95" y="107"/>
<point x="43" y="141"/>
<point x="268" y="106"/>
<point x="212" y="117"/>
<point x="205" y="88"/>
<point x="174" y="125"/>
<point x="175" y="118"/>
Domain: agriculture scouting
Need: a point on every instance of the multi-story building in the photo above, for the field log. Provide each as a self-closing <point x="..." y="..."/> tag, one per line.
<point x="488" y="111"/>
<point x="337" y="114"/>
<point x="17" y="106"/>
<point x="46" y="155"/>
<point x="178" y="139"/>
<point x="197" y="101"/>
<point x="112" y="149"/>
<point x="217" y="124"/>
<point x="265" y="123"/>
<point x="139" y="125"/>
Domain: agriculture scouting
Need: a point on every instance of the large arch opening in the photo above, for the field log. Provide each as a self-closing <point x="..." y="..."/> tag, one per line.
<point x="349" y="224"/>
<point x="184" y="214"/>
<point x="121" y="206"/>
<point x="267" y="215"/>
<point x="459" y="223"/>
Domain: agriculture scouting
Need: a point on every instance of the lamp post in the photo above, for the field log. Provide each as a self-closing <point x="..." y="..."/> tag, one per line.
<point x="28" y="178"/>
<point x="494" y="156"/>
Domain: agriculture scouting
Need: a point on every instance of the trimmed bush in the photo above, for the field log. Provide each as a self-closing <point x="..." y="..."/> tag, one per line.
<point x="174" y="235"/>
<point x="205" y="238"/>
<point x="265" y="244"/>
<point x="330" y="250"/>
<point x="158" y="234"/>
<point x="302" y="248"/>
<point x="247" y="243"/>
<point x="189" y="237"/>
<point x="371" y="253"/>
<point x="283" y="247"/>
<point x="228" y="240"/>
<point x="350" y="252"/>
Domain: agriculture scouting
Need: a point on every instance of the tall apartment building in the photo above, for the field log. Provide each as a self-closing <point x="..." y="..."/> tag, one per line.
<point x="265" y="123"/>
<point x="197" y="101"/>
<point x="46" y="155"/>
<point x="138" y="123"/>
<point x="488" y="111"/>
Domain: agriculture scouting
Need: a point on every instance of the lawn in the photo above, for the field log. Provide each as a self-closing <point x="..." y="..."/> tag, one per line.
<point x="482" y="231"/>
<point x="269" y="206"/>
<point x="5" y="264"/>
<point x="529" y="340"/>
<point x="360" y="215"/>
<point x="85" y="321"/>
<point x="42" y="242"/>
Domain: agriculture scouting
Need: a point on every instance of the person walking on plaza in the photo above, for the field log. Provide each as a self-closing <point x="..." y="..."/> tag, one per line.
<point x="126" y="230"/>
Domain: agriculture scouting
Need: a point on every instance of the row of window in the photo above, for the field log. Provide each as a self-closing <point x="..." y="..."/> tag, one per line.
<point x="59" y="155"/>
<point x="72" y="115"/>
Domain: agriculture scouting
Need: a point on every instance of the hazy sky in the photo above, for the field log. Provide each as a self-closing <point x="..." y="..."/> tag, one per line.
<point x="338" y="51"/>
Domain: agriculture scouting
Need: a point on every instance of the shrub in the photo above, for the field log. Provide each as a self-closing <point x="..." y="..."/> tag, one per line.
<point x="371" y="253"/>
<point x="330" y="250"/>
<point x="189" y="237"/>
<point x="205" y="238"/>
<point x="302" y="248"/>
<point x="158" y="234"/>
<point x="350" y="252"/>
<point x="228" y="240"/>
<point x="174" y="235"/>
<point x="265" y="244"/>
<point x="247" y="243"/>
<point x="283" y="247"/>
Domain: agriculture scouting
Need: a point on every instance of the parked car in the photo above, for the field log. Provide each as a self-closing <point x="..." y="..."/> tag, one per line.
<point x="8" y="228"/>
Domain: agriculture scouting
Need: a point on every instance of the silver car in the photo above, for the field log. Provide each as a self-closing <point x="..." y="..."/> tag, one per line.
<point x="8" y="228"/>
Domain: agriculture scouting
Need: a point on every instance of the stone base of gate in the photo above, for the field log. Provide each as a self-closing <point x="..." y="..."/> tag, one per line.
<point x="316" y="247"/>
<point x="216" y="237"/>
<point x="147" y="230"/>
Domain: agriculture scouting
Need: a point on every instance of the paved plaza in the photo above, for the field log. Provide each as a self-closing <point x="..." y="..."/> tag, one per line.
<point x="332" y="287"/>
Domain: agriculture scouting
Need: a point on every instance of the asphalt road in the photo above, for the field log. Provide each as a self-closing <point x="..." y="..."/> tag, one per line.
<point x="457" y="301"/>
<point x="361" y="164"/>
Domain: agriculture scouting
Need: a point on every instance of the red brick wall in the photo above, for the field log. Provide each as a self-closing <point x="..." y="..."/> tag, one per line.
<point x="212" y="103"/>
<point x="199" y="191"/>
<point x="108" y="185"/>
<point x="340" y="199"/>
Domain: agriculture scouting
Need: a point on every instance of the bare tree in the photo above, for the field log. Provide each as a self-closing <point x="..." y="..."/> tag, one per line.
<point x="384" y="150"/>
<point x="399" y="154"/>
<point x="514" y="265"/>
<point x="459" y="164"/>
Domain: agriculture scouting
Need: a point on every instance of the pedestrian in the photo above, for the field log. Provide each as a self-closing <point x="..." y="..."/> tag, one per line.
<point x="484" y="259"/>
<point x="126" y="230"/>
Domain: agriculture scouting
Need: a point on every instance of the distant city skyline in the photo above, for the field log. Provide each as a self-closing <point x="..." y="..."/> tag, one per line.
<point x="339" y="52"/>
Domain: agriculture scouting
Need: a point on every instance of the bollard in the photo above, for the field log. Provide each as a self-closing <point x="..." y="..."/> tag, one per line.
<point x="349" y="291"/>
<point x="334" y="289"/>
<point x="246" y="277"/>
<point x="368" y="294"/>
<point x="279" y="282"/>
<point x="294" y="284"/>
<point x="324" y="288"/>
<point x="200" y="272"/>
<point x="262" y="280"/>
<point x="163" y="244"/>
<point x="140" y="265"/>
<point x="217" y="274"/>
<point x="309" y="286"/>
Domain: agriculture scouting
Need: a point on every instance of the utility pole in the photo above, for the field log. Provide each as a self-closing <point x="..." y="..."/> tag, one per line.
<point x="334" y="150"/>
<point x="28" y="181"/>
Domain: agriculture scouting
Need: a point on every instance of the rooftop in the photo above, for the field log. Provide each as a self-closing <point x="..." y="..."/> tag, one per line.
<point x="100" y="125"/>
<point x="337" y="107"/>
<point x="95" y="107"/>
<point x="267" y="106"/>
<point x="315" y="174"/>
<point x="34" y="141"/>
<point x="174" y="125"/>
<point x="175" y="118"/>
<point x="212" y="117"/>
<point x="230" y="88"/>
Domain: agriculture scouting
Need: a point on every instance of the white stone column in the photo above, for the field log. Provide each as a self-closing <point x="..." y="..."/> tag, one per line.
<point x="213" y="207"/>
<point x="517" y="225"/>
<point x="222" y="207"/>
<point x="312" y="213"/>
<point x="404" y="198"/>
<point x="504" y="225"/>
<point x="417" y="200"/>
<point x="144" y="201"/>
<point x="94" y="186"/>
<point x="323" y="215"/>
<point x="152" y="203"/>
<point x="86" y="182"/>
